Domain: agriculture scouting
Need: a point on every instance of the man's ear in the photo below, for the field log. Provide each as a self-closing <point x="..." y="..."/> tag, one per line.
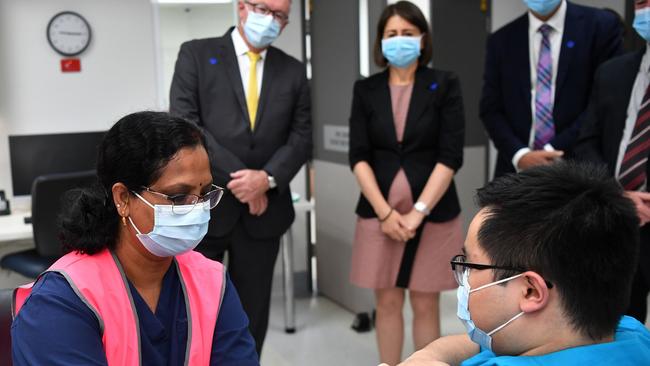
<point x="535" y="292"/>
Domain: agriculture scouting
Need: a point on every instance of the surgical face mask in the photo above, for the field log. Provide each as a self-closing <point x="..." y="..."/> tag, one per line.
<point x="542" y="7"/>
<point x="261" y="30"/>
<point x="642" y="23"/>
<point x="174" y="234"/>
<point x="401" y="51"/>
<point x="477" y="335"/>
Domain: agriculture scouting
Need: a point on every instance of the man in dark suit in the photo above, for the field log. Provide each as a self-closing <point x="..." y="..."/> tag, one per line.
<point x="252" y="100"/>
<point x="538" y="74"/>
<point x="616" y="132"/>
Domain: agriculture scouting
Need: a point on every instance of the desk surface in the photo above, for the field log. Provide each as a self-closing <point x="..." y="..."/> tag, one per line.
<point x="13" y="227"/>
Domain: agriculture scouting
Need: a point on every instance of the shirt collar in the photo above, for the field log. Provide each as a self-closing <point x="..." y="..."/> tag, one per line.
<point x="556" y="21"/>
<point x="240" y="45"/>
<point x="645" y="61"/>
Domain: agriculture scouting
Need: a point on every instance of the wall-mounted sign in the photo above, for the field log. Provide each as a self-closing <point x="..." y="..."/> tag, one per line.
<point x="337" y="138"/>
<point x="70" y="65"/>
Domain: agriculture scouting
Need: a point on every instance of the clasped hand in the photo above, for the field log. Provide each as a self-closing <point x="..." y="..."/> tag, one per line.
<point x="642" y="204"/>
<point x="249" y="186"/>
<point x="539" y="157"/>
<point x="402" y="227"/>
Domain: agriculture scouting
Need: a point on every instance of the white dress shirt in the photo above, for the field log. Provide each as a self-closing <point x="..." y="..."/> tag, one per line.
<point x="638" y="90"/>
<point x="556" y="22"/>
<point x="244" y="62"/>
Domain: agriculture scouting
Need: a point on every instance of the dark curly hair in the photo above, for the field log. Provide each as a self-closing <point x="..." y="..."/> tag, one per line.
<point x="134" y="152"/>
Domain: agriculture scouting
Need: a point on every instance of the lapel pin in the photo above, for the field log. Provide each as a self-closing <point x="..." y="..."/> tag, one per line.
<point x="570" y="44"/>
<point x="213" y="60"/>
<point x="433" y="86"/>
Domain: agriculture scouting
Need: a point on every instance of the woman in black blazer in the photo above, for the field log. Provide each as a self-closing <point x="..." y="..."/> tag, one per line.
<point x="406" y="143"/>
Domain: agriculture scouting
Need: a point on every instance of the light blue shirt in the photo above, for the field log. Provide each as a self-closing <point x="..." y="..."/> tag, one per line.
<point x="631" y="347"/>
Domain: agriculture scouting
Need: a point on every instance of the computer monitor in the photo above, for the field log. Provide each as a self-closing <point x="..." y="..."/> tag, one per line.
<point x="35" y="155"/>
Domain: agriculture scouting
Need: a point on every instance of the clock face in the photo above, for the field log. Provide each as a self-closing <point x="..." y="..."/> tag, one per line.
<point x="68" y="33"/>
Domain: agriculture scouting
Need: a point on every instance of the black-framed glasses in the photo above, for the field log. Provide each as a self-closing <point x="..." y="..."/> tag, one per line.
<point x="460" y="265"/>
<point x="264" y="10"/>
<point x="184" y="203"/>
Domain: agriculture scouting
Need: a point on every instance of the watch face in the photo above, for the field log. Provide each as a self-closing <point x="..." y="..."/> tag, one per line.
<point x="68" y="33"/>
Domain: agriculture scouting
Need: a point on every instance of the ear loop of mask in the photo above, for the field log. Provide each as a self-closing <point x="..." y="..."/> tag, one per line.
<point x="496" y="283"/>
<point x="148" y="204"/>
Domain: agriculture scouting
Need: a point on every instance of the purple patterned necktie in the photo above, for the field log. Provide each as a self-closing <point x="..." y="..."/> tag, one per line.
<point x="544" y="127"/>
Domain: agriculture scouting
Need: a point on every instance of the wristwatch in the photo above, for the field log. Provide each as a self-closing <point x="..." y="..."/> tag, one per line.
<point x="422" y="208"/>
<point x="272" y="183"/>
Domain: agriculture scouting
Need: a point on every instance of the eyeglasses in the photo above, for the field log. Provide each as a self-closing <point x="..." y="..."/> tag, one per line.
<point x="184" y="203"/>
<point x="460" y="265"/>
<point x="263" y="10"/>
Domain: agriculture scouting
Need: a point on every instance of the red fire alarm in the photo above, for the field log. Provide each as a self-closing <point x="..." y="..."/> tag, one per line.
<point x="70" y="65"/>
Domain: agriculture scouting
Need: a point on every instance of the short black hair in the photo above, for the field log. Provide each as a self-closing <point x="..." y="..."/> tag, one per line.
<point x="412" y="14"/>
<point x="571" y="223"/>
<point x="134" y="152"/>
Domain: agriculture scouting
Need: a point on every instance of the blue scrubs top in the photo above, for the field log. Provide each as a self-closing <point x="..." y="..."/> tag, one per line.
<point x="631" y="347"/>
<point x="54" y="327"/>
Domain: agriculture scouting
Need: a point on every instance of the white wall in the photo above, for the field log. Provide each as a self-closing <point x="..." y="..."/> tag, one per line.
<point x="181" y="23"/>
<point x="117" y="77"/>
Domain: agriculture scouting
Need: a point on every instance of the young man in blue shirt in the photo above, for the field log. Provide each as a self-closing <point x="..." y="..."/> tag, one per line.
<point x="546" y="274"/>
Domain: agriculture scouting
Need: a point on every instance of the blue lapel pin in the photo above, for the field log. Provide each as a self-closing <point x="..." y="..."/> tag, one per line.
<point x="433" y="86"/>
<point x="213" y="60"/>
<point x="570" y="44"/>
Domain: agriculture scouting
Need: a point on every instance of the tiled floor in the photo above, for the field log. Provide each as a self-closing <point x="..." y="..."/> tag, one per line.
<point x="323" y="335"/>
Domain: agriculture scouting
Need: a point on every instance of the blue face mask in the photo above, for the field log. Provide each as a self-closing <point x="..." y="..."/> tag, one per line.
<point x="261" y="30"/>
<point x="174" y="234"/>
<point x="642" y="23"/>
<point x="478" y="336"/>
<point x="542" y="7"/>
<point x="401" y="51"/>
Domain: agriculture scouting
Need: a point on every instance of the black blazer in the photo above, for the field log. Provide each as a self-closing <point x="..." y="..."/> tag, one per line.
<point x="601" y="134"/>
<point x="207" y="89"/>
<point x="591" y="36"/>
<point x="434" y="133"/>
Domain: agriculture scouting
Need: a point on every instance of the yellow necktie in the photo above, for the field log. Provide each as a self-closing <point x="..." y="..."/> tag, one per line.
<point x="252" y="98"/>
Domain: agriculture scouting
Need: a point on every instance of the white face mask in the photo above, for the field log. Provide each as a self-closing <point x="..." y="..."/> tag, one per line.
<point x="477" y="335"/>
<point x="174" y="234"/>
<point x="261" y="30"/>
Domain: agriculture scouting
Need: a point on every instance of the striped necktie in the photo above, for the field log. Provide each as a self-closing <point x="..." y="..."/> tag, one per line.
<point x="633" y="167"/>
<point x="544" y="126"/>
<point x="252" y="98"/>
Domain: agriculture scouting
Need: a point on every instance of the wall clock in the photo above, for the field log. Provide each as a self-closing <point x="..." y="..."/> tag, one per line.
<point x="68" y="33"/>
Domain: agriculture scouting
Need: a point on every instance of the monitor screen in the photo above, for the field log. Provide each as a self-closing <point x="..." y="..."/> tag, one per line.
<point x="35" y="155"/>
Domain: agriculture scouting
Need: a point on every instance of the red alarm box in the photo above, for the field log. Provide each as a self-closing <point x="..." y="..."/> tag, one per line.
<point x="70" y="65"/>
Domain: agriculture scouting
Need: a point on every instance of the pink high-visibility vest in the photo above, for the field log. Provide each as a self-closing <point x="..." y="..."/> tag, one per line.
<point x="101" y="284"/>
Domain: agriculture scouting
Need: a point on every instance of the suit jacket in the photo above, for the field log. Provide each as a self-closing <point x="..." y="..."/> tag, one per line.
<point x="601" y="134"/>
<point x="434" y="133"/>
<point x="591" y="36"/>
<point x="602" y="131"/>
<point x="207" y="89"/>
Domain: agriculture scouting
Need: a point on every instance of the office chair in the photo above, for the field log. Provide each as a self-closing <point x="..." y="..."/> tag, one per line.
<point x="5" y="326"/>
<point x="47" y="191"/>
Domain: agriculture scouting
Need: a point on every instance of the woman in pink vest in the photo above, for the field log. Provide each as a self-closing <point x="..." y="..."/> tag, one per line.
<point x="131" y="290"/>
